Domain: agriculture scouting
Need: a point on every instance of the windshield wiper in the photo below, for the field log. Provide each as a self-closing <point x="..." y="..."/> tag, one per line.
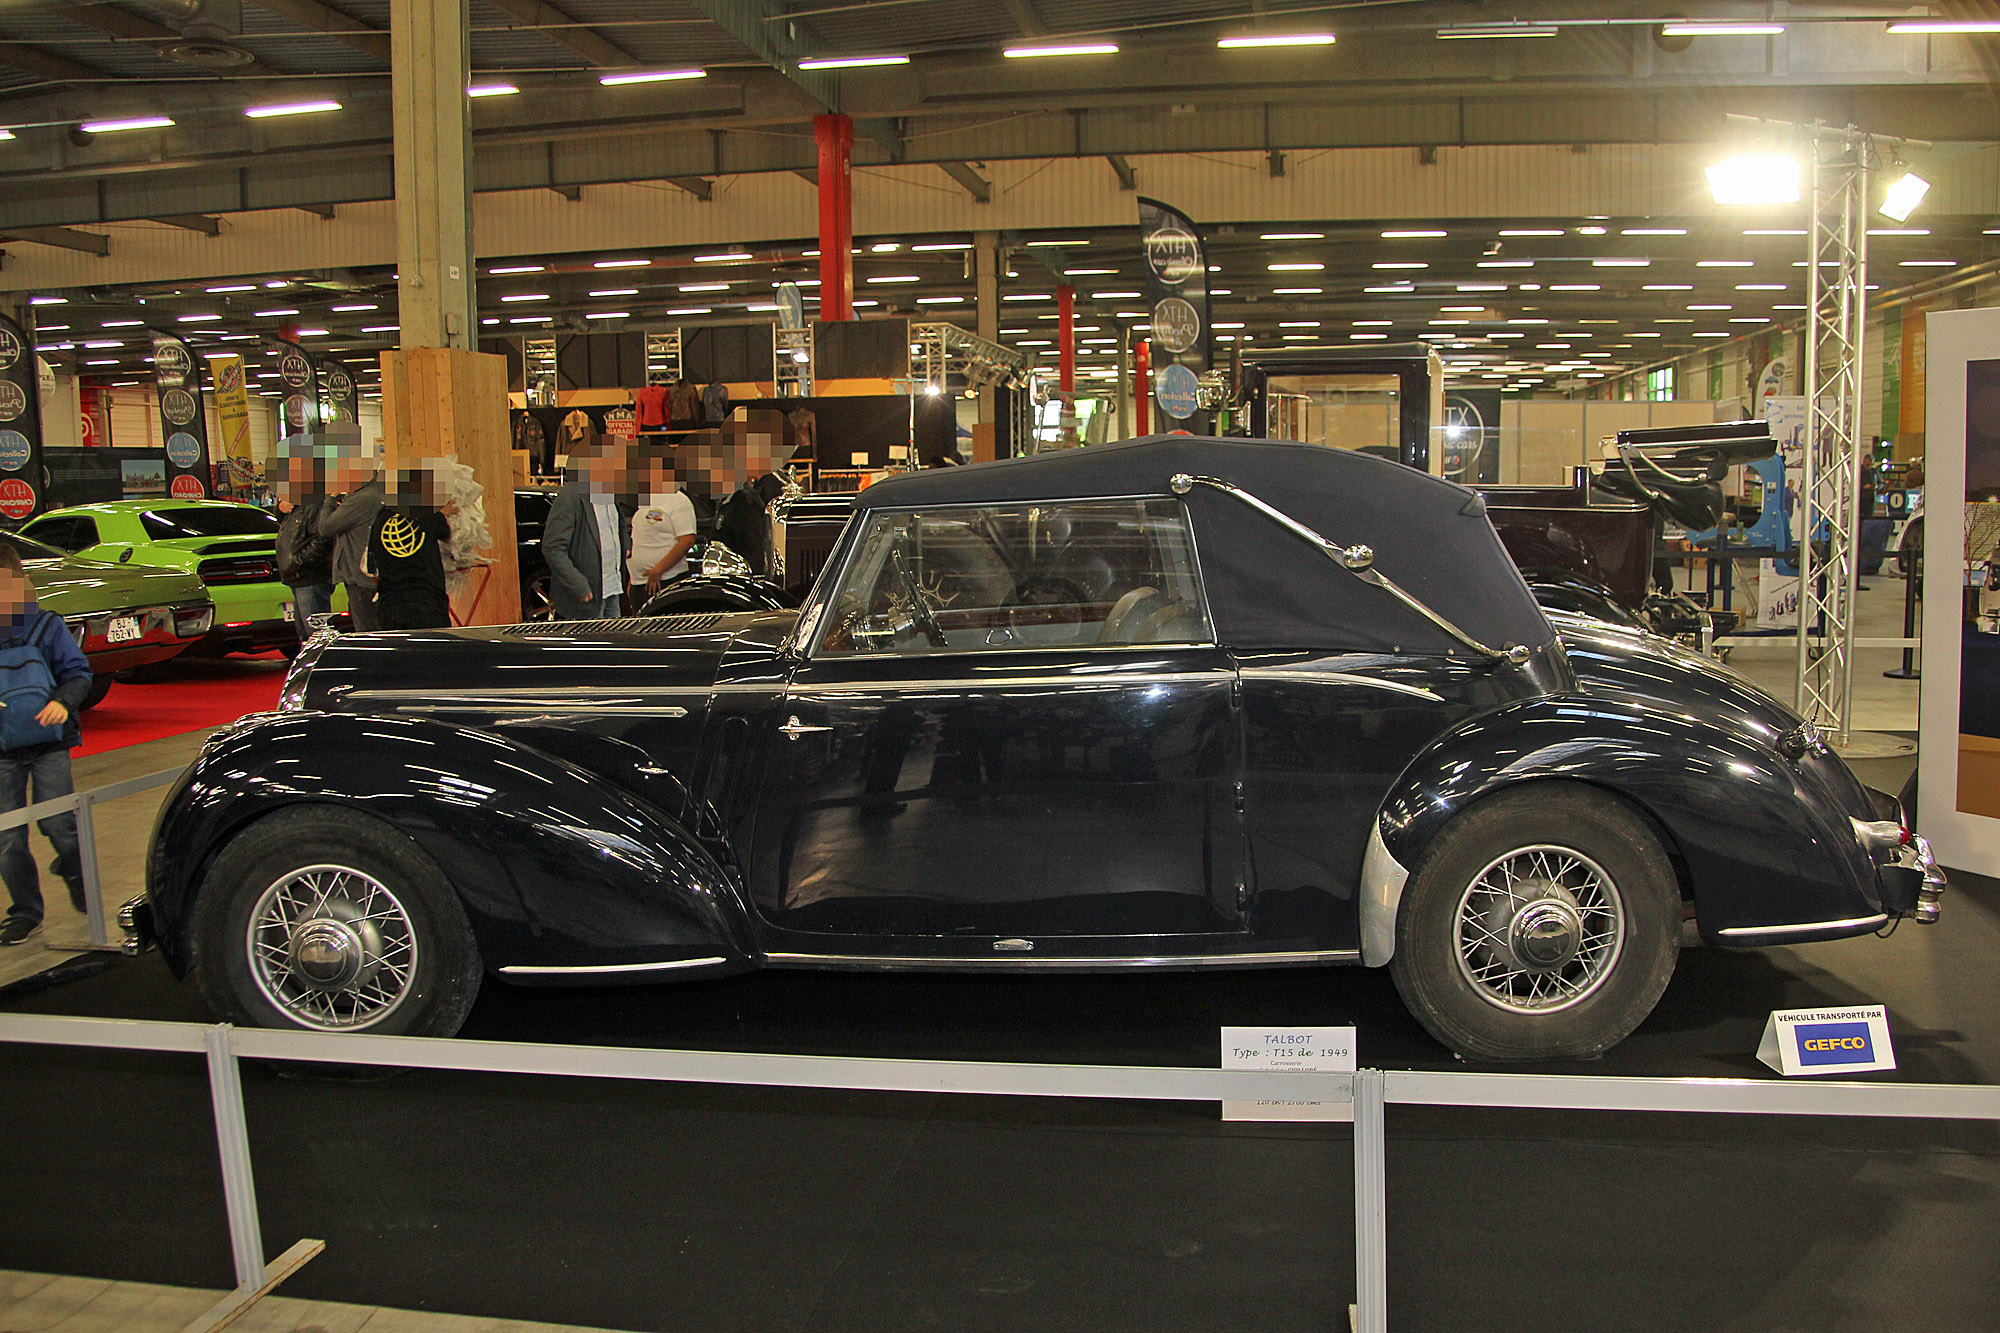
<point x="1356" y="560"/>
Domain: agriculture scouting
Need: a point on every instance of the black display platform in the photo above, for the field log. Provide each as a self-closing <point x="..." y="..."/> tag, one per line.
<point x="682" y="1207"/>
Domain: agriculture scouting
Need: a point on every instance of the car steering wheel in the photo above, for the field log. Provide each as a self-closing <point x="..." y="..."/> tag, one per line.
<point x="920" y="609"/>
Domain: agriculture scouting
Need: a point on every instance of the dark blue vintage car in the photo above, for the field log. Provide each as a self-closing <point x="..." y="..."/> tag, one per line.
<point x="1172" y="703"/>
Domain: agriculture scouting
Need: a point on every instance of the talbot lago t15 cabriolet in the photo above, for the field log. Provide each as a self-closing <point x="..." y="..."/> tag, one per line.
<point x="1172" y="703"/>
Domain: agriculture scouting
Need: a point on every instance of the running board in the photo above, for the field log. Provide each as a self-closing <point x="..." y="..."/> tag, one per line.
<point x="1015" y="962"/>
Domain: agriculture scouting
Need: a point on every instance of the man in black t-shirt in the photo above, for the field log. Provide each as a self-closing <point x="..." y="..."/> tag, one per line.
<point x="406" y="551"/>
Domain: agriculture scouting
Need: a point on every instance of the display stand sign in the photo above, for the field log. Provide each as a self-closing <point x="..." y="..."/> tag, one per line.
<point x="232" y="411"/>
<point x="1958" y="764"/>
<point x="1306" y="1050"/>
<point x="339" y="400"/>
<point x="1827" y="1041"/>
<point x="296" y="373"/>
<point x="183" y="420"/>
<point x="1177" y="291"/>
<point x="21" y="479"/>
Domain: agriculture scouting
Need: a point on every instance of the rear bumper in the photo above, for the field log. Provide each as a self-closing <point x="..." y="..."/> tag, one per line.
<point x="1913" y="885"/>
<point x="254" y="636"/>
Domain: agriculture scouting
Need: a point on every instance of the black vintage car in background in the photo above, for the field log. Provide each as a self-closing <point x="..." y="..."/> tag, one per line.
<point x="1171" y="703"/>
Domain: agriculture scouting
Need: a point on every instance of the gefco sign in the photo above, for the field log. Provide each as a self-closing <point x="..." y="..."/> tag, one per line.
<point x="1827" y="1041"/>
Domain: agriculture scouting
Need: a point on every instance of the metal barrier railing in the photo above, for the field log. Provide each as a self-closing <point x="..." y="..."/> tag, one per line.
<point x="1370" y="1090"/>
<point x="86" y="836"/>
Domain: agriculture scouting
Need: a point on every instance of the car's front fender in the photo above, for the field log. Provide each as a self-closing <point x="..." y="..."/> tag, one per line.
<point x="564" y="876"/>
<point x="1761" y="841"/>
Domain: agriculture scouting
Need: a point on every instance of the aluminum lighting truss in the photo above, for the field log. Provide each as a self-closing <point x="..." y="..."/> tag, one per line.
<point x="663" y="356"/>
<point x="1830" y="475"/>
<point x="939" y="351"/>
<point x="792" y="361"/>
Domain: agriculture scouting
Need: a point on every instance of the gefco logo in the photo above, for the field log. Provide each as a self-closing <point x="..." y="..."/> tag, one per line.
<point x="1835" y="1044"/>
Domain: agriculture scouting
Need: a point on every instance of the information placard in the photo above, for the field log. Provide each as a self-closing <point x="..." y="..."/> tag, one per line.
<point x="1827" y="1041"/>
<point x="1306" y="1050"/>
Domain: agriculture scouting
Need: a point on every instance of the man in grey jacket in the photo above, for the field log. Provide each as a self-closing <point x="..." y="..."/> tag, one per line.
<point x="585" y="537"/>
<point x="350" y="520"/>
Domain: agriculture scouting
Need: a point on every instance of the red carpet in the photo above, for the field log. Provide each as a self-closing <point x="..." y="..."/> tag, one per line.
<point x="185" y="694"/>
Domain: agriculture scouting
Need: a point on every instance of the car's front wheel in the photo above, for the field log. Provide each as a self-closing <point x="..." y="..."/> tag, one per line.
<point x="333" y="921"/>
<point x="1541" y="924"/>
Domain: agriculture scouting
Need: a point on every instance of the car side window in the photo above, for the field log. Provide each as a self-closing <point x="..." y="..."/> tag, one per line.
<point x="61" y="533"/>
<point x="997" y="577"/>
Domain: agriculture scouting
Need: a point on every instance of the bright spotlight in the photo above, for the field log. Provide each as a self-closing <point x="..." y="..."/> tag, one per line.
<point x="932" y="390"/>
<point x="1905" y="193"/>
<point x="1755" y="178"/>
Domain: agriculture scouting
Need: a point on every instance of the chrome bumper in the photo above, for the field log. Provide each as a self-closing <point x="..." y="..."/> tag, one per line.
<point x="1916" y="855"/>
<point x="135" y="918"/>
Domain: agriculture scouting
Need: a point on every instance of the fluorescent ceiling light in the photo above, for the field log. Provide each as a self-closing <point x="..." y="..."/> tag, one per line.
<point x="1711" y="335"/>
<point x="607" y="314"/>
<point x="1872" y="231"/>
<point x="1294" y="268"/>
<point x="851" y="62"/>
<point x="1402" y="289"/>
<point x="1668" y="287"/>
<point x="289" y="109"/>
<point x="197" y="319"/>
<point x="1930" y="263"/>
<point x="618" y="291"/>
<point x="1415" y="263"/>
<point x="1046" y="244"/>
<point x="703" y="287"/>
<point x="274" y="314"/>
<point x="622" y="263"/>
<point x="1475" y="32"/>
<point x="1652" y="231"/>
<point x="1297" y="291"/>
<point x="6" y="134"/>
<point x="1506" y="263"/>
<point x="1945" y="26"/>
<point x="1229" y="324"/>
<point x="691" y="310"/>
<point x="1114" y="296"/>
<point x="1905" y="193"/>
<point x="491" y="90"/>
<point x="940" y="300"/>
<point x="1293" y="236"/>
<point x="122" y="323"/>
<point x="1413" y="235"/>
<point x="376" y="328"/>
<point x="515" y="268"/>
<point x="1276" y="39"/>
<point x="321" y="333"/>
<point x="1298" y="323"/>
<point x="1725" y="263"/>
<point x="1620" y="263"/>
<point x="1755" y="178"/>
<point x="1721" y="29"/>
<point x="651" y="76"/>
<point x="899" y="277"/>
<point x="1760" y="286"/>
<point x="1711" y="307"/>
<point x="944" y="245"/>
<point x="1532" y="231"/>
<point x="135" y="123"/>
<point x="351" y="309"/>
<point x="1074" y="49"/>
<point x="233" y="287"/>
<point x="1774" y="231"/>
<point x="1373" y="323"/>
<point x="722" y="258"/>
<point x="1575" y="287"/>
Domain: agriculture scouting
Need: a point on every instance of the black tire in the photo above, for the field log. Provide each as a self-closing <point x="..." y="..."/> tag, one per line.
<point x="434" y="991"/>
<point x="1597" y="995"/>
<point x="99" y="687"/>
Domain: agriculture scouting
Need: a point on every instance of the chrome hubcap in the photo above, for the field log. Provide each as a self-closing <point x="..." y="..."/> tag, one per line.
<point x="332" y="948"/>
<point x="1539" y="929"/>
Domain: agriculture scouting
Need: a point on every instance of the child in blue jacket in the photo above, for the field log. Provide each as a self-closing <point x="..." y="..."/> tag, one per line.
<point x="44" y="677"/>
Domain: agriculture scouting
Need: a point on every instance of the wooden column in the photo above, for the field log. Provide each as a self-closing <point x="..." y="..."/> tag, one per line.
<point x="443" y="401"/>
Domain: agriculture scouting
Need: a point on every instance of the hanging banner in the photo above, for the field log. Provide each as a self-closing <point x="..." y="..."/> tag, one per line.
<point x="339" y="400"/>
<point x="1176" y="289"/>
<point x="300" y="409"/>
<point x="232" y="415"/>
<point x="94" y="418"/>
<point x="182" y="420"/>
<point x="22" y="481"/>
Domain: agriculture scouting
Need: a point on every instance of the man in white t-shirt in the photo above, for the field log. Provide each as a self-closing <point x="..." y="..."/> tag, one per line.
<point x="662" y="532"/>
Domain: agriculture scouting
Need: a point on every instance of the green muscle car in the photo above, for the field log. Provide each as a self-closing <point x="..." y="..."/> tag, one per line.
<point x="230" y="547"/>
<point x="123" y="615"/>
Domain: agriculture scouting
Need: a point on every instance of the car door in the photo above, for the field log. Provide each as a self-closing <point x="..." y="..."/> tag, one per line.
<point x="998" y="740"/>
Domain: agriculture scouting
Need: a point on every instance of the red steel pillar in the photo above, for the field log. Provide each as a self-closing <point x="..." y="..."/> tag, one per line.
<point x="1142" y="385"/>
<point x="834" y="136"/>
<point x="1066" y="339"/>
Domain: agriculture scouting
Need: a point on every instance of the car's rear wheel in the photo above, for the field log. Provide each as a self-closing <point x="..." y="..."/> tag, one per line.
<point x="1541" y="924"/>
<point x="333" y="921"/>
<point x="100" y="685"/>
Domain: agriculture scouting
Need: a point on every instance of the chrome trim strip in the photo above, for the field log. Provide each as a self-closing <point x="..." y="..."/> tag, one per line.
<point x="1012" y="962"/>
<point x="1058" y="679"/>
<point x="535" y="694"/>
<point x="1295" y="675"/>
<point x="528" y="970"/>
<point x="1379" y="895"/>
<point x="1779" y="932"/>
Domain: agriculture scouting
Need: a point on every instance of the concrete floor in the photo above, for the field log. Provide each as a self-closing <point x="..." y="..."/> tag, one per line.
<point x="46" y="1303"/>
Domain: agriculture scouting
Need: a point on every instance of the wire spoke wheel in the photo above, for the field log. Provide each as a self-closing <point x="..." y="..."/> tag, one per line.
<point x="332" y="948"/>
<point x="1539" y="929"/>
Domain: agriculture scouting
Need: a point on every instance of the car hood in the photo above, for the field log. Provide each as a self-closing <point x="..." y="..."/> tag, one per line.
<point x="557" y="664"/>
<point x="75" y="587"/>
<point x="1615" y="660"/>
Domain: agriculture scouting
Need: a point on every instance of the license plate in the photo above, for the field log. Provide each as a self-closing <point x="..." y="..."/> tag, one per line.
<point x="288" y="610"/>
<point x="123" y="629"/>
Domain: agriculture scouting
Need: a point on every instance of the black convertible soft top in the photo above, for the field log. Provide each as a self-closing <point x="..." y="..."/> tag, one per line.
<point x="1267" y="587"/>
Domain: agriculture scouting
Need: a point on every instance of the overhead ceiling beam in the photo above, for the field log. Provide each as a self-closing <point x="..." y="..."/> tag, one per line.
<point x="557" y="26"/>
<point x="1127" y="178"/>
<point x="573" y="193"/>
<point x="317" y="210"/>
<point x="1026" y="18"/>
<point x="807" y="174"/>
<point x="200" y="222"/>
<point x="63" y="238"/>
<point x="330" y="21"/>
<point x="781" y="42"/>
<point x="975" y="184"/>
<point x="47" y="65"/>
<point x="700" y="187"/>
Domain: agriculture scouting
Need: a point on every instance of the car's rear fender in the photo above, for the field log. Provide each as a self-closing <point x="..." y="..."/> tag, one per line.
<point x="1757" y="841"/>
<point x="564" y="876"/>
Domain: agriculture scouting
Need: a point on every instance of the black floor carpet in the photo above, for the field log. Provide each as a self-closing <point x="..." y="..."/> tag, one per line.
<point x="698" y="1208"/>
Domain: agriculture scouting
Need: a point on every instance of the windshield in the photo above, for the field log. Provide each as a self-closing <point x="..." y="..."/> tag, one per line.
<point x="231" y="520"/>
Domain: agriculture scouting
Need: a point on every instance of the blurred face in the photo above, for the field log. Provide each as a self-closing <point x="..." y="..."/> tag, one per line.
<point x="14" y="592"/>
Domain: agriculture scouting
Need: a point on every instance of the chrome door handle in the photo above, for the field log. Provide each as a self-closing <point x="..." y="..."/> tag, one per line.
<point x="793" y="728"/>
